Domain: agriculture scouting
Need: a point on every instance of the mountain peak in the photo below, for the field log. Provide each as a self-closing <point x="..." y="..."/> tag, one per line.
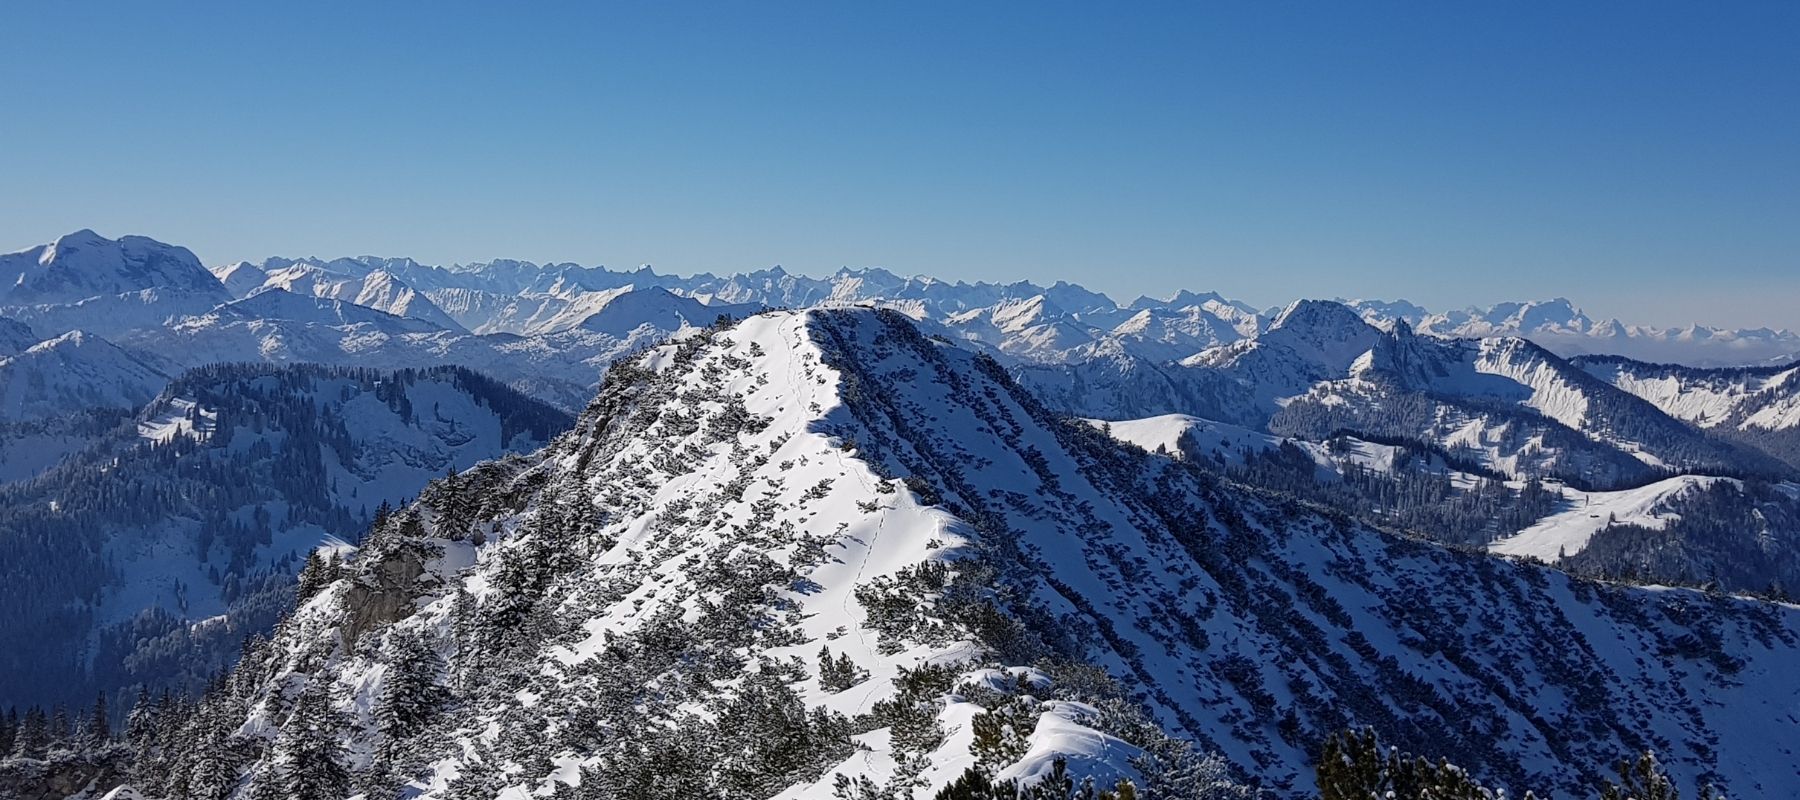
<point x="1321" y="317"/>
<point x="83" y="236"/>
<point x="84" y="264"/>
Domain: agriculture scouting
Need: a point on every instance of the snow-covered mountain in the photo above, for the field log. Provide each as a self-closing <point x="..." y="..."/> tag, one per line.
<point x="58" y="395"/>
<point x="1558" y="325"/>
<point x="1343" y="406"/>
<point x="86" y="282"/>
<point x="85" y="264"/>
<point x="74" y="371"/>
<point x="146" y="557"/>
<point x="1320" y="369"/>
<point x="378" y="289"/>
<point x="560" y="368"/>
<point x="820" y="554"/>
<point x="280" y="304"/>
<point x="1759" y="406"/>
<point x="1184" y="326"/>
<point x="240" y="278"/>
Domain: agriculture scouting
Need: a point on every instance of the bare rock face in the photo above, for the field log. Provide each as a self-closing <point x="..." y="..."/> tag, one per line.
<point x="385" y="595"/>
<point x="63" y="775"/>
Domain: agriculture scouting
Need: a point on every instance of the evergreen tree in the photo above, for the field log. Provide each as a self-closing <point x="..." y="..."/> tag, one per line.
<point x="62" y="727"/>
<point x="308" y="757"/>
<point x="9" y="731"/>
<point x="99" y="723"/>
<point x="840" y="673"/>
<point x="410" y="695"/>
<point x="33" y="737"/>
<point x="1354" y="766"/>
<point x="378" y="780"/>
<point x="1643" y="779"/>
<point x="141" y="733"/>
<point x="212" y="765"/>
<point x="313" y="577"/>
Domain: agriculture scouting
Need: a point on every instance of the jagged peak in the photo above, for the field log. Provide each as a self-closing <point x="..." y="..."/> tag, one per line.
<point x="74" y="338"/>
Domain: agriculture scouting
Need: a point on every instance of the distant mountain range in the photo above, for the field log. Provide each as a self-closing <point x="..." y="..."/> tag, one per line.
<point x="1557" y="325"/>
<point x="1045" y="323"/>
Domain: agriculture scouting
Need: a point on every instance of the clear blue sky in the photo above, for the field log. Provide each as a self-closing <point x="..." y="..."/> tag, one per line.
<point x="1641" y="158"/>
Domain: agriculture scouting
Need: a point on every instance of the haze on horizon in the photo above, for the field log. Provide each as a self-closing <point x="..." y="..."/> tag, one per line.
<point x="1637" y="159"/>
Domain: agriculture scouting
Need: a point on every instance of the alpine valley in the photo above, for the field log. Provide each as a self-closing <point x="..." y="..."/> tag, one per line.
<point x="370" y="528"/>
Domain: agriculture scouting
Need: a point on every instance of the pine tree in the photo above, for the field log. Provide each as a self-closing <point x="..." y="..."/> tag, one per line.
<point x="62" y="727"/>
<point x="840" y="673"/>
<point x="973" y="784"/>
<point x="313" y="577"/>
<point x="9" y="731"/>
<point x="99" y="723"/>
<point x="410" y="696"/>
<point x="212" y="766"/>
<point x="308" y="756"/>
<point x="378" y="781"/>
<point x="1642" y="779"/>
<point x="33" y="737"/>
<point x="477" y="780"/>
<point x="1354" y="766"/>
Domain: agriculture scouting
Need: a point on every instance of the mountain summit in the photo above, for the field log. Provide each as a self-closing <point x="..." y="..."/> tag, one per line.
<point x="85" y="264"/>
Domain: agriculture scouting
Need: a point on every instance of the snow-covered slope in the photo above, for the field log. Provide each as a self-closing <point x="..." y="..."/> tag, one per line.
<point x="561" y="368"/>
<point x="655" y="309"/>
<point x="86" y="282"/>
<point x="1185" y="326"/>
<point x="85" y="264"/>
<point x="1320" y="369"/>
<point x="241" y="278"/>
<point x="1567" y="531"/>
<point x="280" y="304"/>
<point x="15" y="336"/>
<point x="1191" y="437"/>
<point x="200" y="507"/>
<point x="649" y="598"/>
<point x="1513" y="406"/>
<point x="1759" y="406"/>
<point x="377" y="289"/>
<point x="71" y="372"/>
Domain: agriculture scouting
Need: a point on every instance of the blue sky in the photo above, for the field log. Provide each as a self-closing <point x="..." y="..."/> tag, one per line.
<point x="1641" y="158"/>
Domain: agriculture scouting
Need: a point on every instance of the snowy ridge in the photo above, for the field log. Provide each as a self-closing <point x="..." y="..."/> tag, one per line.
<point x="786" y="486"/>
<point x="378" y="289"/>
<point x="73" y="371"/>
<point x="282" y="304"/>
<point x="1755" y="406"/>
<point x="1763" y="398"/>
<point x="84" y="281"/>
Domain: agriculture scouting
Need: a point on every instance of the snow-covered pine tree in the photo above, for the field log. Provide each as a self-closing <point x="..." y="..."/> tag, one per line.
<point x="98" y="729"/>
<point x="313" y="577"/>
<point x="307" y="762"/>
<point x="33" y="737"/>
<point x="410" y="693"/>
